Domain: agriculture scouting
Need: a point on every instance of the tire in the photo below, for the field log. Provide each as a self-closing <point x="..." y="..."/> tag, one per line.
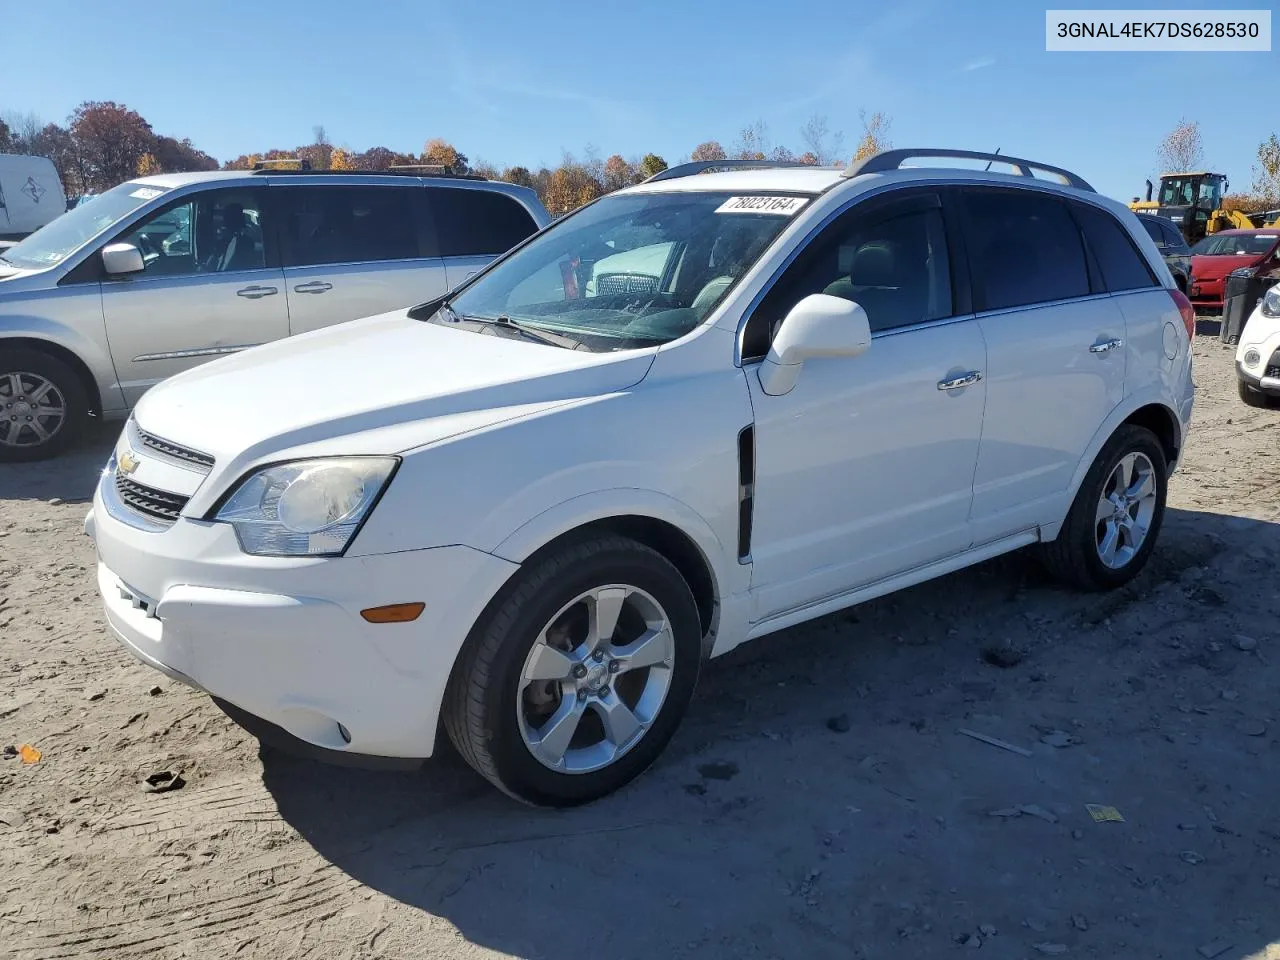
<point x="492" y="712"/>
<point x="23" y="371"/>
<point x="1254" y="398"/>
<point x="1076" y="557"/>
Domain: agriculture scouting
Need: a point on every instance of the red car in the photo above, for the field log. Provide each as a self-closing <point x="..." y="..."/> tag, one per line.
<point x="1218" y="254"/>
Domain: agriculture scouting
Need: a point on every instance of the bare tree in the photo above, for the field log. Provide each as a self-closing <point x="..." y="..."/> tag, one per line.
<point x="24" y="129"/>
<point x="875" y="135"/>
<point x="1182" y="151"/>
<point x="1266" y="175"/>
<point x="753" y="142"/>
<point x="824" y="145"/>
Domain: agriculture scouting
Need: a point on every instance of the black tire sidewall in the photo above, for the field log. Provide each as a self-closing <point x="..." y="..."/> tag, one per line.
<point x="519" y="770"/>
<point x="68" y="384"/>
<point x="1131" y="440"/>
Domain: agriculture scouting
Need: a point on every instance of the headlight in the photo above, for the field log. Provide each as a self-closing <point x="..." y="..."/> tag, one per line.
<point x="1271" y="302"/>
<point x="308" y="508"/>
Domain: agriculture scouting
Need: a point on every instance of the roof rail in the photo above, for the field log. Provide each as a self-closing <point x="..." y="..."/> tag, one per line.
<point x="279" y="163"/>
<point x="702" y="166"/>
<point x="892" y="159"/>
<point x="395" y="170"/>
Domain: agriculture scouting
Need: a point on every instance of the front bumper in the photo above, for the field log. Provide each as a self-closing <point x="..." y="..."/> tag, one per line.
<point x="282" y="638"/>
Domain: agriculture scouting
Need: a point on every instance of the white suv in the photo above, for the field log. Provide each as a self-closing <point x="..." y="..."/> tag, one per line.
<point x="692" y="413"/>
<point x="1258" y="355"/>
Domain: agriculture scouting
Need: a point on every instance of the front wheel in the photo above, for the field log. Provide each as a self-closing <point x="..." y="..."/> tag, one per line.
<point x="43" y="407"/>
<point x="573" y="684"/>
<point x="1116" y="517"/>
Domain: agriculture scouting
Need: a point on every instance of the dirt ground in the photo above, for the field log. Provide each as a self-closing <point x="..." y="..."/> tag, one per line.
<point x="818" y="801"/>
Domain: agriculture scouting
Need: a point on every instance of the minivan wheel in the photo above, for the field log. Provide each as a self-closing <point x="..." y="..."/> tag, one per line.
<point x="43" y="407"/>
<point x="1116" y="517"/>
<point x="573" y="683"/>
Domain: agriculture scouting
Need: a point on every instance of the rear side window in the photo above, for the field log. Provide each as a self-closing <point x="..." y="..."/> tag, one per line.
<point x="1173" y="239"/>
<point x="1155" y="231"/>
<point x="472" y="223"/>
<point x="1123" y="267"/>
<point x="348" y="225"/>
<point x="1024" y="248"/>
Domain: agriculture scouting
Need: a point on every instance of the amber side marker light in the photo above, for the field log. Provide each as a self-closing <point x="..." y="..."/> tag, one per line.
<point x="394" y="613"/>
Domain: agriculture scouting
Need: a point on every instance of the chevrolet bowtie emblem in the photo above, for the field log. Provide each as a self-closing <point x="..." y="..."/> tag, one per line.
<point x="127" y="463"/>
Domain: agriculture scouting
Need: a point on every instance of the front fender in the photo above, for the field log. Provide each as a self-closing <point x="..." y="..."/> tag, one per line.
<point x="83" y="334"/>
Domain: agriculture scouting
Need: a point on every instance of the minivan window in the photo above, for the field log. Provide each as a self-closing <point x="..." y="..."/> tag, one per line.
<point x="215" y="231"/>
<point x="339" y="224"/>
<point x="1123" y="267"/>
<point x="1024" y="248"/>
<point x="628" y="271"/>
<point x="1173" y="239"/>
<point x="1154" y="231"/>
<point x="56" y="240"/>
<point x="893" y="264"/>
<point x="477" y="222"/>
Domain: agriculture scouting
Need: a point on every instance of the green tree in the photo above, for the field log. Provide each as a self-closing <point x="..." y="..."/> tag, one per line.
<point x="651" y="165"/>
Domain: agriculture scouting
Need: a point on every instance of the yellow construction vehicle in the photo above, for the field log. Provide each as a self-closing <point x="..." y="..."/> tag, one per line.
<point x="1193" y="201"/>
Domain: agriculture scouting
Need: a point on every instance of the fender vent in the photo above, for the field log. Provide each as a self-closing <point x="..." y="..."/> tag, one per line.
<point x="746" y="489"/>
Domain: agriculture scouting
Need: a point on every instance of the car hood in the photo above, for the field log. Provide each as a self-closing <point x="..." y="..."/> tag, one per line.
<point x="394" y="381"/>
<point x="1216" y="267"/>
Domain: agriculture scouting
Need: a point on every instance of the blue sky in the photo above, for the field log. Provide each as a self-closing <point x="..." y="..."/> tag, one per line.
<point x="510" y="81"/>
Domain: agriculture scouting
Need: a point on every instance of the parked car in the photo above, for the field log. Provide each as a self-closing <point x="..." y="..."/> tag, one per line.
<point x="1258" y="354"/>
<point x="525" y="512"/>
<point x="1217" y="255"/>
<point x="30" y="196"/>
<point x="1168" y="240"/>
<point x="163" y="273"/>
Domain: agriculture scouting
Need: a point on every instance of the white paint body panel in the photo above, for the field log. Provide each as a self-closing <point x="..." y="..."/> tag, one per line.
<point x="868" y="477"/>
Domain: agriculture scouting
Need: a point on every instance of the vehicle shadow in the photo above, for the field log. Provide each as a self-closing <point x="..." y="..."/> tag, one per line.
<point x="70" y="477"/>
<point x="818" y="800"/>
<point x="1208" y="326"/>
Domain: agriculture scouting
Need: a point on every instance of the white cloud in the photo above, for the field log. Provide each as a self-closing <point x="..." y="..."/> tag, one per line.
<point x="978" y="64"/>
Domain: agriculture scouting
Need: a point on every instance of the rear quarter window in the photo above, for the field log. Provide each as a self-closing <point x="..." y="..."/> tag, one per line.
<point x="477" y="222"/>
<point x="1123" y="266"/>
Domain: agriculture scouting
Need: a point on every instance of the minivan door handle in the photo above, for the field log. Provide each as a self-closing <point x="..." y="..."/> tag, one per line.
<point x="256" y="292"/>
<point x="315" y="286"/>
<point x="960" y="382"/>
<point x="1106" y="346"/>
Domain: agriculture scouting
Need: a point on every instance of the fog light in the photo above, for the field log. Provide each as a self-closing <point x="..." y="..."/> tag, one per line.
<point x="1251" y="358"/>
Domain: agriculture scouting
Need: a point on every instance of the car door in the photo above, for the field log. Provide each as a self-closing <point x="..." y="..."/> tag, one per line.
<point x="1055" y="363"/>
<point x="473" y="226"/>
<point x="211" y="285"/>
<point x="353" y="250"/>
<point x="865" y="468"/>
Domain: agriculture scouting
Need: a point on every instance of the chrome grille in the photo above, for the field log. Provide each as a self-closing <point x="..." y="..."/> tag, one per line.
<point x="1273" y="365"/>
<point x="609" y="284"/>
<point x="156" y="504"/>
<point x="175" y="452"/>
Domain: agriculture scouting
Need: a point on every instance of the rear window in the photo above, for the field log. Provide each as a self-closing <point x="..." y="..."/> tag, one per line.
<point x="1024" y="248"/>
<point x="477" y="222"/>
<point x="1123" y="267"/>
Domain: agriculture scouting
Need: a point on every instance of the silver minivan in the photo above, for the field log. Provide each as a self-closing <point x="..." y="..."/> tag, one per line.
<point x="162" y="273"/>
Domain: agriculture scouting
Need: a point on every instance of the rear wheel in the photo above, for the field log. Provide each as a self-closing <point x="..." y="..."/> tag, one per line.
<point x="1116" y="517"/>
<point x="43" y="406"/>
<point x="1252" y="397"/>
<point x="573" y="685"/>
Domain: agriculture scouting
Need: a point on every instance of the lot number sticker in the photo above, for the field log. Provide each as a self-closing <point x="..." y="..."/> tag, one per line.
<point x="146" y="193"/>
<point x="779" y="206"/>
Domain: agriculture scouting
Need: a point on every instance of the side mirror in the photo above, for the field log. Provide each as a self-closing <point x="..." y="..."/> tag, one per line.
<point x="820" y="325"/>
<point x="119" y="259"/>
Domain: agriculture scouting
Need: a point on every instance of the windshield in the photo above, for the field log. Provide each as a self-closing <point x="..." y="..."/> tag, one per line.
<point x="1183" y="191"/>
<point x="1236" y="245"/>
<point x="53" y="242"/>
<point x="629" y="271"/>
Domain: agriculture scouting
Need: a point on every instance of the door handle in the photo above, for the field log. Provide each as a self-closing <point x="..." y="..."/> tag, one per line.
<point x="256" y="292"/>
<point x="1106" y="346"/>
<point x="315" y="286"/>
<point x="960" y="382"/>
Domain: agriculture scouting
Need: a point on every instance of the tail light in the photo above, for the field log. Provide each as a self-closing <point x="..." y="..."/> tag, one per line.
<point x="1186" y="309"/>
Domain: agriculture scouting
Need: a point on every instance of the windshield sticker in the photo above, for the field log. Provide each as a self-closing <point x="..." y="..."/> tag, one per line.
<point x="146" y="193"/>
<point x="778" y="206"/>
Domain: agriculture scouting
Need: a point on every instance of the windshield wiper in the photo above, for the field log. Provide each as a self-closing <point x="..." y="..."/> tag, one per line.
<point x="533" y="333"/>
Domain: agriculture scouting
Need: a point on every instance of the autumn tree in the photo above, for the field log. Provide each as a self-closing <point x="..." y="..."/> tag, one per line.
<point x="570" y="186"/>
<point x="1266" y="175"/>
<point x="650" y="166"/>
<point x="442" y="152"/>
<point x="380" y="158"/>
<point x="58" y="145"/>
<point x="1182" y="150"/>
<point x="148" y="165"/>
<point x="617" y="173"/>
<point x="875" y="135"/>
<point x="5" y="137"/>
<point x="180" y="156"/>
<point x="825" y="145"/>
<point x="339" y="159"/>
<point x="808" y="158"/>
<point x="518" y="175"/>
<point x="112" y="139"/>
<point x="708" y="150"/>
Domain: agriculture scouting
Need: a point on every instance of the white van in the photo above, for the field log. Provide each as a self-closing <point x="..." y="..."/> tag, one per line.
<point x="30" y="195"/>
